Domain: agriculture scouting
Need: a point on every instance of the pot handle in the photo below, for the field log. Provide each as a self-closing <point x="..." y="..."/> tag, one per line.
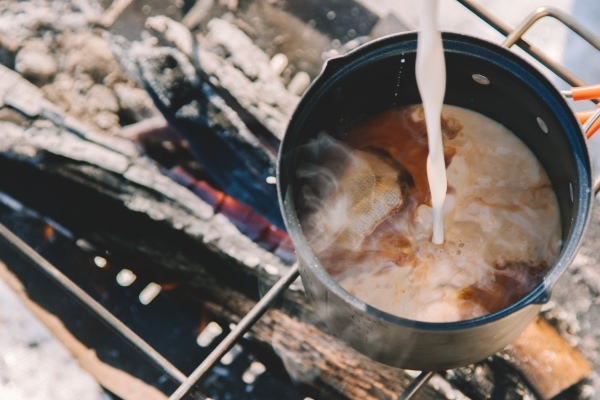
<point x="585" y="92"/>
<point x="590" y="121"/>
<point x="591" y="118"/>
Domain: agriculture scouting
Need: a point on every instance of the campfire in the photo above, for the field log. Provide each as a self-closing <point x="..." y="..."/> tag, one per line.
<point x="139" y="145"/>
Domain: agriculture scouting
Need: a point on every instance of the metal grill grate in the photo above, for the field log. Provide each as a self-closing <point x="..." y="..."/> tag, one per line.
<point x="188" y="383"/>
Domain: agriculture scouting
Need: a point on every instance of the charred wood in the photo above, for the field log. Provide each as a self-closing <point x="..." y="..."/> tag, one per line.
<point x="88" y="185"/>
<point x="493" y="378"/>
<point x="240" y="165"/>
<point x="317" y="359"/>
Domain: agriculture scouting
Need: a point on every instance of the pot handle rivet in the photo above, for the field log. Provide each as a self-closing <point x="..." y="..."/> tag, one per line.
<point x="480" y="79"/>
<point x="571" y="191"/>
<point x="542" y="124"/>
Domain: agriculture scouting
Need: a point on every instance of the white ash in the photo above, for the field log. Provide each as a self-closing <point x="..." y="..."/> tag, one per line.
<point x="24" y="20"/>
<point x="53" y="44"/>
<point x="33" y="365"/>
<point x="35" y="62"/>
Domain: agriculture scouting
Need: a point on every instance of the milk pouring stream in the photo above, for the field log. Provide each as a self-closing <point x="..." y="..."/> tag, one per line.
<point x="431" y="79"/>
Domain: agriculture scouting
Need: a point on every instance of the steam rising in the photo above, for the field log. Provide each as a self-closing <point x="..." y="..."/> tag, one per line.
<point x="366" y="212"/>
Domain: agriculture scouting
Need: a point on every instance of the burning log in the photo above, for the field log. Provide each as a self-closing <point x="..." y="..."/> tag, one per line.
<point x="219" y="140"/>
<point x="95" y="169"/>
<point x="72" y="172"/>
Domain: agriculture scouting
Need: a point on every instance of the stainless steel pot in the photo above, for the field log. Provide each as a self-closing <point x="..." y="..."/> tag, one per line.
<point x="483" y="77"/>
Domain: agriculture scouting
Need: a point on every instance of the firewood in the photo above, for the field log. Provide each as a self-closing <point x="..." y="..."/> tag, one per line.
<point x="548" y="362"/>
<point x="241" y="165"/>
<point x="315" y="358"/>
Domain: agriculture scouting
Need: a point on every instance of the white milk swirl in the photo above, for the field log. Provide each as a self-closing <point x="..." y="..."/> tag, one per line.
<point x="431" y="79"/>
<point x="502" y="229"/>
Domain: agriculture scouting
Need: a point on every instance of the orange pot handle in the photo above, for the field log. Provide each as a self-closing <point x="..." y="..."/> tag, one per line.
<point x="585" y="92"/>
<point x="583" y="116"/>
<point x="595" y="126"/>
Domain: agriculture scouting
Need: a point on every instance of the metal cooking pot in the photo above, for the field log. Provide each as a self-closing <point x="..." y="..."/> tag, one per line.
<point x="483" y="77"/>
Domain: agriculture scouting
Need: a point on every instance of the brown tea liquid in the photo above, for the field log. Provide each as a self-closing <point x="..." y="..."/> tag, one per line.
<point x="372" y="232"/>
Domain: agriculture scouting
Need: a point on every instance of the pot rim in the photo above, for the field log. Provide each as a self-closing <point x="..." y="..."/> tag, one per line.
<point x="540" y="294"/>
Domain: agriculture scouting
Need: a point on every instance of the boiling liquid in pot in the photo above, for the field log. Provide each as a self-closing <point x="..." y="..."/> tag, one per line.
<point x="369" y="216"/>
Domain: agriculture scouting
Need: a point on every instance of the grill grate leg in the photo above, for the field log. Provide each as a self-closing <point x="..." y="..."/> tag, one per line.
<point x="246" y="323"/>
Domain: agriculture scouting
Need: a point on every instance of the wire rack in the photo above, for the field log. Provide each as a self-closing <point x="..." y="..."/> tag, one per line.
<point x="187" y="384"/>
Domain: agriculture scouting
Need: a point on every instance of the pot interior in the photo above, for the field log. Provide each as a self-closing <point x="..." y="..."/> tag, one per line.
<point x="381" y="75"/>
